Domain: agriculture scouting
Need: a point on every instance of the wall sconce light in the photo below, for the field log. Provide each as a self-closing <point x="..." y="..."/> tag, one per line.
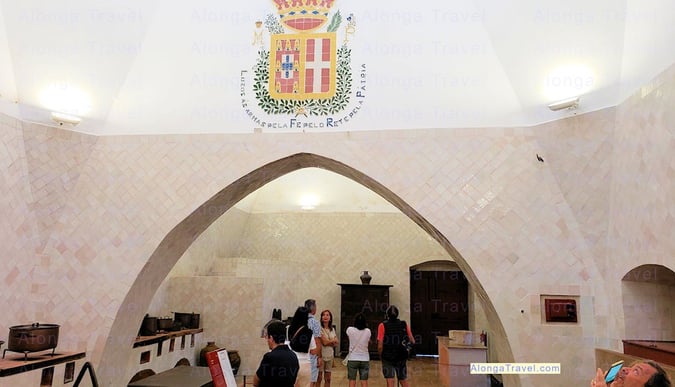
<point x="63" y="119"/>
<point x="570" y="104"/>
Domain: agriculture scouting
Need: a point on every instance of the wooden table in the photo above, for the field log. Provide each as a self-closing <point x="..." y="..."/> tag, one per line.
<point x="181" y="376"/>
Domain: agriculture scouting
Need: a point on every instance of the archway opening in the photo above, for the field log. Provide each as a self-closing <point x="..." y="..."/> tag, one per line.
<point x="647" y="293"/>
<point x="183" y="235"/>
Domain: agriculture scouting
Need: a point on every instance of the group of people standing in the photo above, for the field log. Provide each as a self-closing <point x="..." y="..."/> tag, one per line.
<point x="392" y="333"/>
<point x="302" y="353"/>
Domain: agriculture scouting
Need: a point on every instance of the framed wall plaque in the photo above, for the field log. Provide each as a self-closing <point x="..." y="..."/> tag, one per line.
<point x="560" y="310"/>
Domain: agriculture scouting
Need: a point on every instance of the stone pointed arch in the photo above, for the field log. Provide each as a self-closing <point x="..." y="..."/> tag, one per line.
<point x="181" y="237"/>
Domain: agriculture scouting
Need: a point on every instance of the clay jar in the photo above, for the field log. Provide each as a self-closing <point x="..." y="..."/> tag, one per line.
<point x="235" y="360"/>
<point x="233" y="355"/>
<point x="365" y="278"/>
<point x="210" y="346"/>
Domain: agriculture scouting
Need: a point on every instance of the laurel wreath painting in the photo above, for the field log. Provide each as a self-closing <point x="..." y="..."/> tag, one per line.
<point x="314" y="107"/>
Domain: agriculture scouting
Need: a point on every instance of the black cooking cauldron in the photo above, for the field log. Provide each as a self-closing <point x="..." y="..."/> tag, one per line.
<point x="32" y="338"/>
<point x="187" y="320"/>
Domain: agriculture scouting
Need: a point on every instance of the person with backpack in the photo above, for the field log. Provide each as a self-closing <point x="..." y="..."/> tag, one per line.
<point x="301" y="341"/>
<point x="392" y="336"/>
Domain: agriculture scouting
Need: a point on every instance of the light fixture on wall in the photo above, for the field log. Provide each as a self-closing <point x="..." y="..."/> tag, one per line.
<point x="65" y="119"/>
<point x="569" y="103"/>
<point x="309" y="201"/>
<point x="66" y="101"/>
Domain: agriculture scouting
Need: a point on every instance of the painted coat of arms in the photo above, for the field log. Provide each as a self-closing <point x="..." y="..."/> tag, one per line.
<point x="304" y="72"/>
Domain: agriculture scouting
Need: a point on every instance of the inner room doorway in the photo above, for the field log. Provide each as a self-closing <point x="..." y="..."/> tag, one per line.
<point x="439" y="302"/>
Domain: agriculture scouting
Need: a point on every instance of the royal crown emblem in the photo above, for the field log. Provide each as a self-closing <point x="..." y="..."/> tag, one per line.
<point x="303" y="15"/>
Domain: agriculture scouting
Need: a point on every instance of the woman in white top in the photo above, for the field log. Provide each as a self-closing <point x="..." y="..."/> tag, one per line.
<point x="358" y="359"/>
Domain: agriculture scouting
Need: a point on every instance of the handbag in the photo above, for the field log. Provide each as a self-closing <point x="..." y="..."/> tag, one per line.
<point x="301" y="340"/>
<point x="408" y="346"/>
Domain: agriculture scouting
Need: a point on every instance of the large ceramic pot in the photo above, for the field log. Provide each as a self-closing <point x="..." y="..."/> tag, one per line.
<point x="32" y="338"/>
<point x="210" y="346"/>
<point x="235" y="360"/>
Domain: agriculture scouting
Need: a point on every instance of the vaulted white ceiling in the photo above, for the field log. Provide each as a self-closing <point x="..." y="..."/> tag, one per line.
<point x="314" y="190"/>
<point x="152" y="66"/>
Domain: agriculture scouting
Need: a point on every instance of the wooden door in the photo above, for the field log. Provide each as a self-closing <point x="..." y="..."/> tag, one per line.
<point x="439" y="302"/>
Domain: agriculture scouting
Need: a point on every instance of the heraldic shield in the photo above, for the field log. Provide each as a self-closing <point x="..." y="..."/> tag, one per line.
<point x="302" y="66"/>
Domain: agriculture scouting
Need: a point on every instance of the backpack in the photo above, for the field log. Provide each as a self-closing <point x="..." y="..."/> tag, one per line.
<point x="395" y="344"/>
<point x="302" y="339"/>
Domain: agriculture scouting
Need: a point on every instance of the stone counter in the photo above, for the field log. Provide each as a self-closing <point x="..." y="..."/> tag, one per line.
<point x="164" y="351"/>
<point x="40" y="368"/>
<point x="454" y="361"/>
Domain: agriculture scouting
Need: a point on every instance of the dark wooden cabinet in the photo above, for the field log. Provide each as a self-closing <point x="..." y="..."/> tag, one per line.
<point x="372" y="301"/>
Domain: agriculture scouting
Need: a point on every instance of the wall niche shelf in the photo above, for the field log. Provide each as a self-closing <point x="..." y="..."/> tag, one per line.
<point x="142" y="341"/>
<point x="15" y="364"/>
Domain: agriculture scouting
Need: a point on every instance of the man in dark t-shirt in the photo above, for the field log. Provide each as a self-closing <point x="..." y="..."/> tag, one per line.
<point x="279" y="367"/>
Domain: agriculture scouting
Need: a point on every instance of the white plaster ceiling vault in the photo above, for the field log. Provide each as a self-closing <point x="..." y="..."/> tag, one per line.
<point x="153" y="67"/>
<point x="333" y="193"/>
<point x="150" y="66"/>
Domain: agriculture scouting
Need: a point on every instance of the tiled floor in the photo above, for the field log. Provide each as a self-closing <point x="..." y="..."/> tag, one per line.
<point x="422" y="372"/>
